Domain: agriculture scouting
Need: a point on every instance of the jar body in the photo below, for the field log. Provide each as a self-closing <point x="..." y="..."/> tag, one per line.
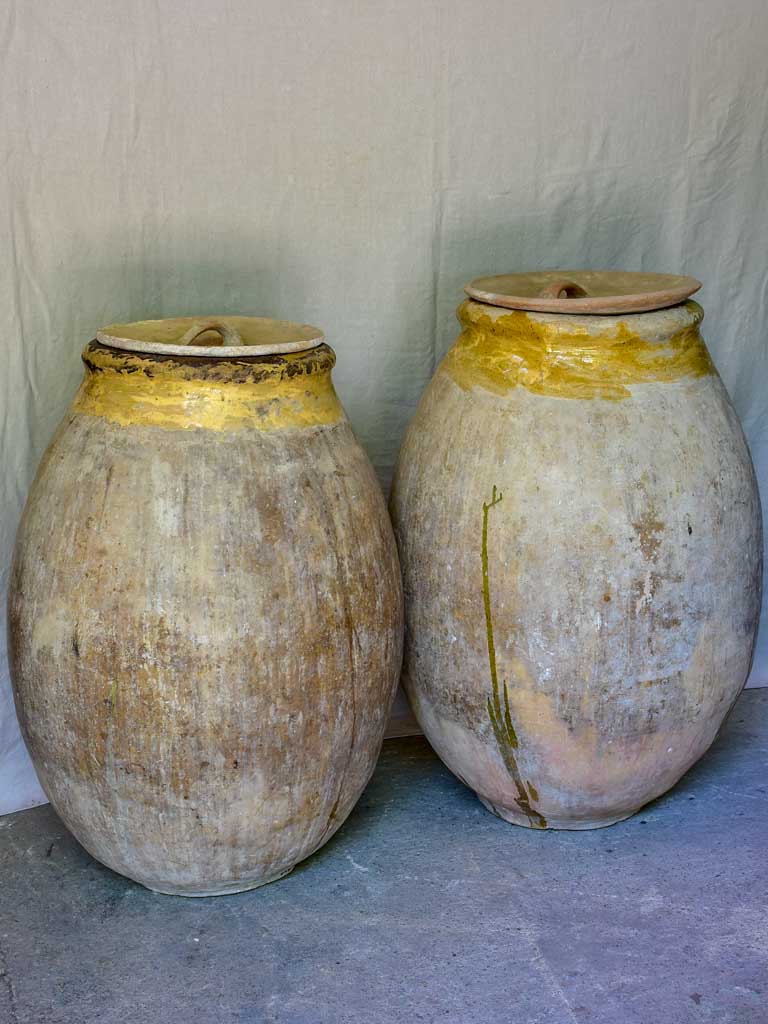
<point x="205" y="617"/>
<point x="580" y="537"/>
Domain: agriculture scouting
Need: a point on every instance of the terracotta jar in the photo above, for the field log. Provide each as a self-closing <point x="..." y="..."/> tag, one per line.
<point x="580" y="536"/>
<point x="205" y="605"/>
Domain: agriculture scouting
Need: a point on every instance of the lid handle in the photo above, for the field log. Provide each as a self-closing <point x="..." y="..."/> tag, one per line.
<point x="563" y="289"/>
<point x="228" y="334"/>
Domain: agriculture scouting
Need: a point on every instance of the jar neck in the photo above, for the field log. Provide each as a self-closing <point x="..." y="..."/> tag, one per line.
<point x="576" y="356"/>
<point x="271" y="392"/>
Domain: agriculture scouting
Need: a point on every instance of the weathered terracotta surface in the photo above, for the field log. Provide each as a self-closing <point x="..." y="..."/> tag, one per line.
<point x="580" y="536"/>
<point x="205" y="616"/>
<point x="583" y="291"/>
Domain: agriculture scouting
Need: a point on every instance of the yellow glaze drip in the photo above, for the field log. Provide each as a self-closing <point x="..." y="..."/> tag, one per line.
<point x="514" y="350"/>
<point x="138" y="391"/>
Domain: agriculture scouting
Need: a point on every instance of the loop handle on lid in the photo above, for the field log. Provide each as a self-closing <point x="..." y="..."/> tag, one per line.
<point x="228" y="334"/>
<point x="563" y="289"/>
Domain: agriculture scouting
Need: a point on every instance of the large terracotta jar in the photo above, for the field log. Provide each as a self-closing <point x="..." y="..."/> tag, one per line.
<point x="205" y="605"/>
<point x="580" y="536"/>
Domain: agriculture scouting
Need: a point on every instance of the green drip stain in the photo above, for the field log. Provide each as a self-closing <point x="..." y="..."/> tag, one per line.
<point x="501" y="718"/>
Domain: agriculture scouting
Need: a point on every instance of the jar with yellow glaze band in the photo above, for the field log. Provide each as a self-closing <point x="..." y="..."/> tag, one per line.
<point x="580" y="538"/>
<point x="205" y="605"/>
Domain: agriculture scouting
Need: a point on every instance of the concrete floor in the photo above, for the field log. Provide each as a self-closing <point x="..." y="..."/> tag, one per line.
<point x="425" y="908"/>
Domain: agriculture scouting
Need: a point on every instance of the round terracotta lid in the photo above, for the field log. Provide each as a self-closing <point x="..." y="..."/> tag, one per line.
<point x="583" y="291"/>
<point x="224" y="336"/>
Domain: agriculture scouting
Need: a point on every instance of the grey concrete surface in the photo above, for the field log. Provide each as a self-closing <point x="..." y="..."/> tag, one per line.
<point x="423" y="908"/>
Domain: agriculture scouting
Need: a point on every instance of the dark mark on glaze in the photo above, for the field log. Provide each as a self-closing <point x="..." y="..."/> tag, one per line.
<point x="501" y="719"/>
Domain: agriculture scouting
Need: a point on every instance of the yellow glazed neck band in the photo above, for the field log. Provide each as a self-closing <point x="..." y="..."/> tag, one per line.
<point x="500" y="352"/>
<point x="273" y="393"/>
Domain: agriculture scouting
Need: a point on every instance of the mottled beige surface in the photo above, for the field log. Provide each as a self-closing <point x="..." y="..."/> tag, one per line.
<point x="623" y="570"/>
<point x="205" y="628"/>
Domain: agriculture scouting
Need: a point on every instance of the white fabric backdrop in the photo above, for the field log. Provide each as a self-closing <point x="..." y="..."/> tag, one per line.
<point x="352" y="165"/>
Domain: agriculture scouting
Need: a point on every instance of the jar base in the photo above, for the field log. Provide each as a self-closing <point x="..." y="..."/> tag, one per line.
<point x="224" y="890"/>
<point x="517" y="817"/>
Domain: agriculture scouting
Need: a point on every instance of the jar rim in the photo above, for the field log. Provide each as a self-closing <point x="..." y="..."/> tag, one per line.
<point x="193" y="336"/>
<point x="584" y="292"/>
